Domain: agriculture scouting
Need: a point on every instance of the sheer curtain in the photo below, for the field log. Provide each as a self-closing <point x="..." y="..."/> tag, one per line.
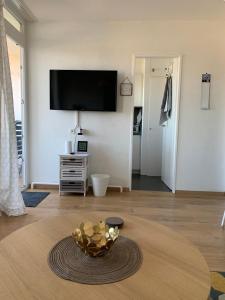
<point x="11" y="201"/>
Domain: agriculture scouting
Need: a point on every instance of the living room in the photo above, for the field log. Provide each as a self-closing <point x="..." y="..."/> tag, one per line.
<point x="103" y="36"/>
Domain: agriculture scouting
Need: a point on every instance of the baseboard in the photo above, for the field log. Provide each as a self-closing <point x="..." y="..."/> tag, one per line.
<point x="182" y="193"/>
<point x="135" y="172"/>
<point x="126" y="189"/>
<point x="114" y="188"/>
<point x="178" y="193"/>
<point x="44" y="186"/>
<point x="55" y="186"/>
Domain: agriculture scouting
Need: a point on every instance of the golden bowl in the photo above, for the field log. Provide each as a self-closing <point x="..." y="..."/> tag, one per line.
<point x="95" y="239"/>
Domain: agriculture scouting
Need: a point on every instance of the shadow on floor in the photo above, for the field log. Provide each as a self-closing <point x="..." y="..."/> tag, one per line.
<point x="148" y="183"/>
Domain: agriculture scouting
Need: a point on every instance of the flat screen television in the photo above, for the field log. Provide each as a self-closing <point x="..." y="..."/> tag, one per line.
<point x="83" y="90"/>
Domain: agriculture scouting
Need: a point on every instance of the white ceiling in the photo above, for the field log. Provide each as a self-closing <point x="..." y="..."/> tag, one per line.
<point x="112" y="10"/>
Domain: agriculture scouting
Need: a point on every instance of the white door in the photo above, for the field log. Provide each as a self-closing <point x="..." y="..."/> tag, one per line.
<point x="159" y="144"/>
<point x="136" y="154"/>
<point x="169" y="131"/>
<point x="151" y="158"/>
<point x="166" y="174"/>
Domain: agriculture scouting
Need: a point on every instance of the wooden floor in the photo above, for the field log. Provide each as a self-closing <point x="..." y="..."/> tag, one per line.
<point x="197" y="218"/>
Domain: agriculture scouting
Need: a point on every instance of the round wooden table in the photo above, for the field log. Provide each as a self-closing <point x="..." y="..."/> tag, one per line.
<point x="172" y="267"/>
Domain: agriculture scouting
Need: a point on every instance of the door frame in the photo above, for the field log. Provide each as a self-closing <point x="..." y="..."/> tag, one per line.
<point x="24" y="104"/>
<point x="177" y="115"/>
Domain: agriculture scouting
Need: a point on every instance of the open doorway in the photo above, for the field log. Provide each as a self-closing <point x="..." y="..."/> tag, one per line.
<point x="15" y="61"/>
<point x="154" y="144"/>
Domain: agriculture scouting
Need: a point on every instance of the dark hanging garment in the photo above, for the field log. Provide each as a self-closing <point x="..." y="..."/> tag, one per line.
<point x="166" y="107"/>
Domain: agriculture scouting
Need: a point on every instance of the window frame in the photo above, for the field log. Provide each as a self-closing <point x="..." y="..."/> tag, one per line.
<point x="12" y="32"/>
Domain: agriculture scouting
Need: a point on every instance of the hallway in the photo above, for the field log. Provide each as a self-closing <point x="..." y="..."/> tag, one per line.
<point x="148" y="183"/>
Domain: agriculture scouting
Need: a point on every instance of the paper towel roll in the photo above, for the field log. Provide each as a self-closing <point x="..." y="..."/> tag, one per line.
<point x="68" y="147"/>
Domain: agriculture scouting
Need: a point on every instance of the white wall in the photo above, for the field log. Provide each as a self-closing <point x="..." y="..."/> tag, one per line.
<point x="201" y="159"/>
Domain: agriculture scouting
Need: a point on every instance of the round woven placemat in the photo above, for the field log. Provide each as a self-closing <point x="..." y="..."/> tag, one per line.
<point x="67" y="261"/>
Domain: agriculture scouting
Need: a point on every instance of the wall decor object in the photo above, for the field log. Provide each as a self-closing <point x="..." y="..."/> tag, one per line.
<point x="205" y="95"/>
<point x="126" y="87"/>
<point x="82" y="146"/>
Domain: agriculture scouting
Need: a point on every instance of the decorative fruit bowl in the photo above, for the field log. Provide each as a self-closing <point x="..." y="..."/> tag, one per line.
<point x="95" y="239"/>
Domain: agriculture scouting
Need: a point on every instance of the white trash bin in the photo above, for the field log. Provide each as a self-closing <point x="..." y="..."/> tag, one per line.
<point x="100" y="183"/>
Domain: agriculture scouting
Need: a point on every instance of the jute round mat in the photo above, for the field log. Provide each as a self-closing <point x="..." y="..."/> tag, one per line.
<point x="67" y="261"/>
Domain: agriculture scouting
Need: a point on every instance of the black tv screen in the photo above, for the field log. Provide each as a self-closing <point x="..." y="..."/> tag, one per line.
<point x="83" y="90"/>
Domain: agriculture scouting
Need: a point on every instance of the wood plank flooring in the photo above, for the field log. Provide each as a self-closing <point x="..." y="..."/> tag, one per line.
<point x="197" y="218"/>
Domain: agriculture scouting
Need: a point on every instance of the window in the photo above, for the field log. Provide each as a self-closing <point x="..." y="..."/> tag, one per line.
<point x="12" y="20"/>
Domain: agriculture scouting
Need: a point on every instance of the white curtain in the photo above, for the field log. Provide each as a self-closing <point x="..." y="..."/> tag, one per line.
<point x="11" y="201"/>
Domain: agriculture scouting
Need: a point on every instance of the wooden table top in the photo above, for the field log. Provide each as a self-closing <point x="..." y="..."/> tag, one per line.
<point x="172" y="267"/>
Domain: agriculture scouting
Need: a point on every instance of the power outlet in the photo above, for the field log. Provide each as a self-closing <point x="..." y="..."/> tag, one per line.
<point x="84" y="131"/>
<point x="73" y="131"/>
<point x="78" y="130"/>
